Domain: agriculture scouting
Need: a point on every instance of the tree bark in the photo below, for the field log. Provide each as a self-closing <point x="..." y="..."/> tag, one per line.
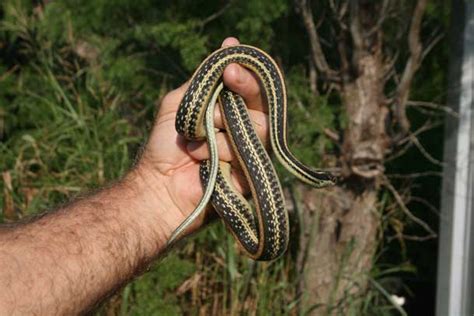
<point x="339" y="256"/>
<point x="340" y="225"/>
<point x="340" y="240"/>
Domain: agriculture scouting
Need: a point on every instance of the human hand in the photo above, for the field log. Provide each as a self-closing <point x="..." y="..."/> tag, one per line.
<point x="172" y="162"/>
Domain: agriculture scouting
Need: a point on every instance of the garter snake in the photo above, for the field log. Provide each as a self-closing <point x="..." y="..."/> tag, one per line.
<point x="263" y="234"/>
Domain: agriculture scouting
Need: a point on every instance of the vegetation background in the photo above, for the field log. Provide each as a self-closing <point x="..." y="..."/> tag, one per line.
<point x="80" y="82"/>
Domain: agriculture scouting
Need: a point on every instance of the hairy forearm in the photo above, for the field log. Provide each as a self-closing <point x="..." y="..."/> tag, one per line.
<point x="67" y="261"/>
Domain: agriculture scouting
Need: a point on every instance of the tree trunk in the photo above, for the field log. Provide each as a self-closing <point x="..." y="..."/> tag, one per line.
<point x="339" y="234"/>
<point x="339" y="255"/>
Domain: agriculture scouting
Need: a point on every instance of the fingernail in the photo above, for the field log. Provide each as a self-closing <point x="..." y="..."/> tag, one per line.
<point x="230" y="41"/>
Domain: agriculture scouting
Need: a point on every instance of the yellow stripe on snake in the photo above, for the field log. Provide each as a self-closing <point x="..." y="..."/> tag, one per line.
<point x="263" y="234"/>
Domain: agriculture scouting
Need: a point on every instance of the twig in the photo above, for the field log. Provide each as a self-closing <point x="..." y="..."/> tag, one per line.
<point x="303" y="109"/>
<point x="430" y="206"/>
<point x="399" y="152"/>
<point x="389" y="66"/>
<point x="413" y="238"/>
<point x="216" y="14"/>
<point x="388" y="297"/>
<point x="428" y="112"/>
<point x="431" y="44"/>
<point x="7" y="73"/>
<point x="313" y="78"/>
<point x="428" y="125"/>
<point x="415" y="175"/>
<point x="425" y="153"/>
<point x="381" y="19"/>
<point x="339" y="13"/>
<point x="433" y="105"/>
<point x="405" y="209"/>
<point x="334" y="8"/>
<point x="409" y="140"/>
<point x="332" y="135"/>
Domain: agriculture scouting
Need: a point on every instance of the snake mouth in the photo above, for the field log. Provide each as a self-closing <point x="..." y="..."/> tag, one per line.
<point x="326" y="176"/>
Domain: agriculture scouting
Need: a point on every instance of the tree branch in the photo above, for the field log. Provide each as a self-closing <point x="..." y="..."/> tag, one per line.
<point x="427" y="125"/>
<point x="339" y="13"/>
<point x="434" y="106"/>
<point x="317" y="54"/>
<point x="389" y="67"/>
<point x="216" y="14"/>
<point x="432" y="43"/>
<point x="410" y="215"/>
<point x="356" y="31"/>
<point x="425" y="153"/>
<point x="411" y="140"/>
<point x="382" y="17"/>
<point x="342" y="48"/>
<point x="414" y="175"/>
<point x="313" y="77"/>
<point x="430" y="206"/>
<point x="414" y="61"/>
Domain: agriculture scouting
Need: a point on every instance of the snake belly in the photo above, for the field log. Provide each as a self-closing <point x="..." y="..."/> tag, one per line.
<point x="263" y="234"/>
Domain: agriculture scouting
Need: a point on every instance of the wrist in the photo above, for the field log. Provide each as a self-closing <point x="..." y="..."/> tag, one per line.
<point x="157" y="210"/>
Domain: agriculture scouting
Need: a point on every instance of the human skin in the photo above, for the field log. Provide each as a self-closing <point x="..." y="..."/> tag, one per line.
<point x="68" y="260"/>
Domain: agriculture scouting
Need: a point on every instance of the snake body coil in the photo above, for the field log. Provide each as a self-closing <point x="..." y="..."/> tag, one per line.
<point x="263" y="234"/>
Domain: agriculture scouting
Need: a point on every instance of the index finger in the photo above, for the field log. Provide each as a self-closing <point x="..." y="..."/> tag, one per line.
<point x="243" y="82"/>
